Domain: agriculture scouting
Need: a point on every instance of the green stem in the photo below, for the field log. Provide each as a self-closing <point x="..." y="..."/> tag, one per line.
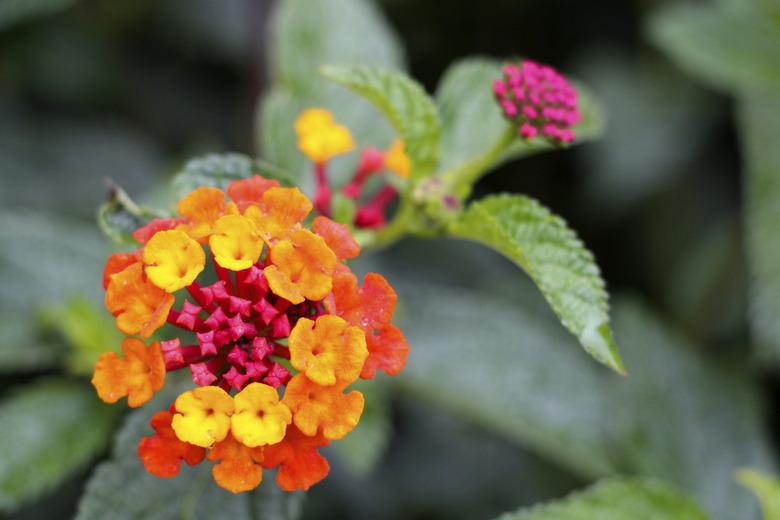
<point x="462" y="178"/>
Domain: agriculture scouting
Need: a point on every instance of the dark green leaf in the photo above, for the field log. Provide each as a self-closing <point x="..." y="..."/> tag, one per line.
<point x="218" y="170"/>
<point x="21" y="347"/>
<point x="759" y="121"/>
<point x="50" y="429"/>
<point x="617" y="499"/>
<point x="766" y="488"/>
<point x="553" y="256"/>
<point x="305" y="36"/>
<point x="16" y="11"/>
<point x="732" y="45"/>
<point x="121" y="489"/>
<point x="404" y="103"/>
<point x="52" y="257"/>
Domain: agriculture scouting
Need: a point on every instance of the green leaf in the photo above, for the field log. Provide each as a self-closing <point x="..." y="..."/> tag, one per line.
<point x="218" y="170"/>
<point x="500" y="359"/>
<point x="120" y="216"/>
<point x="766" y="488"/>
<point x="16" y="11"/>
<point x="617" y="498"/>
<point x="404" y="103"/>
<point x="759" y="123"/>
<point x="51" y="428"/>
<point x="476" y="137"/>
<point x="121" y="489"/>
<point x="306" y="35"/>
<point x="731" y="45"/>
<point x="22" y="349"/>
<point x="552" y="255"/>
<point x="52" y="257"/>
<point x="362" y="449"/>
<point x="87" y="329"/>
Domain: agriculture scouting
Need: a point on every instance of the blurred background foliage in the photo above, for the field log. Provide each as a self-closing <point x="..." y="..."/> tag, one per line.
<point x="498" y="407"/>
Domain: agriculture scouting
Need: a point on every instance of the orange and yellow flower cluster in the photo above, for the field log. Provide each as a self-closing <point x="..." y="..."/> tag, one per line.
<point x="277" y="337"/>
<point x="321" y="138"/>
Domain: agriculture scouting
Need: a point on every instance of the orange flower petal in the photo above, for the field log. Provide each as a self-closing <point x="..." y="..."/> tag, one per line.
<point x="162" y="453"/>
<point x="328" y="350"/>
<point x="144" y="233"/>
<point x="370" y="306"/>
<point x="300" y="464"/>
<point x="387" y="351"/>
<point x="140" y="307"/>
<point x="304" y="267"/>
<point x="239" y="468"/>
<point x="396" y="159"/>
<point x="337" y="237"/>
<point x="119" y="262"/>
<point x="281" y="211"/>
<point x="202" y="208"/>
<point x="324" y="408"/>
<point x="138" y="375"/>
<point x="247" y="192"/>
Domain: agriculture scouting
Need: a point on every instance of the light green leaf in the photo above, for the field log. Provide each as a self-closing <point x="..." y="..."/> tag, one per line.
<point x="120" y="216"/>
<point x="552" y="255"/>
<point x="21" y="347"/>
<point x="404" y="103"/>
<point x="617" y="499"/>
<point x="476" y="138"/>
<point x="362" y="449"/>
<point x="87" y="329"/>
<point x="121" y="489"/>
<point x="218" y="170"/>
<point x="759" y="122"/>
<point x="305" y="36"/>
<point x="732" y="45"/>
<point x="50" y="429"/>
<point x="52" y="257"/>
<point x="16" y="11"/>
<point x="766" y="488"/>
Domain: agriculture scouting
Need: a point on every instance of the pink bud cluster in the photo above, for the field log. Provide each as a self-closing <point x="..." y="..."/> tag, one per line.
<point x="539" y="99"/>
<point x="243" y="326"/>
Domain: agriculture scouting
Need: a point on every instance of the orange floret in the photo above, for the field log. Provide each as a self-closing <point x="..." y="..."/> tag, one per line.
<point x="281" y="211"/>
<point x="337" y="236"/>
<point x="202" y="208"/>
<point x="302" y="267"/>
<point x="140" y="307"/>
<point x="328" y="350"/>
<point x="203" y="416"/>
<point x="162" y="453"/>
<point x="371" y="307"/>
<point x="239" y="468"/>
<point x="300" y="464"/>
<point x="138" y="375"/>
<point x="248" y="192"/>
<point x="119" y="262"/>
<point x="323" y="408"/>
<point x="144" y="233"/>
<point x="259" y="418"/>
<point x="173" y="260"/>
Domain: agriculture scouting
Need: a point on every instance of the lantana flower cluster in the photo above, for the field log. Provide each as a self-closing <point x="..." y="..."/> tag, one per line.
<point x="321" y="138"/>
<point x="539" y="100"/>
<point x="274" y="328"/>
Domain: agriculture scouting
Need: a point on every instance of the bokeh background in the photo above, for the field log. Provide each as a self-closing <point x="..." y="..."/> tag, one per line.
<point x="132" y="89"/>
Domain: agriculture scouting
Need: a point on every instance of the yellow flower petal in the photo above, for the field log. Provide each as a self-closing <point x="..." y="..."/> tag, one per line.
<point x="203" y="416"/>
<point x="235" y="243"/>
<point x="173" y="260"/>
<point x="259" y="417"/>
